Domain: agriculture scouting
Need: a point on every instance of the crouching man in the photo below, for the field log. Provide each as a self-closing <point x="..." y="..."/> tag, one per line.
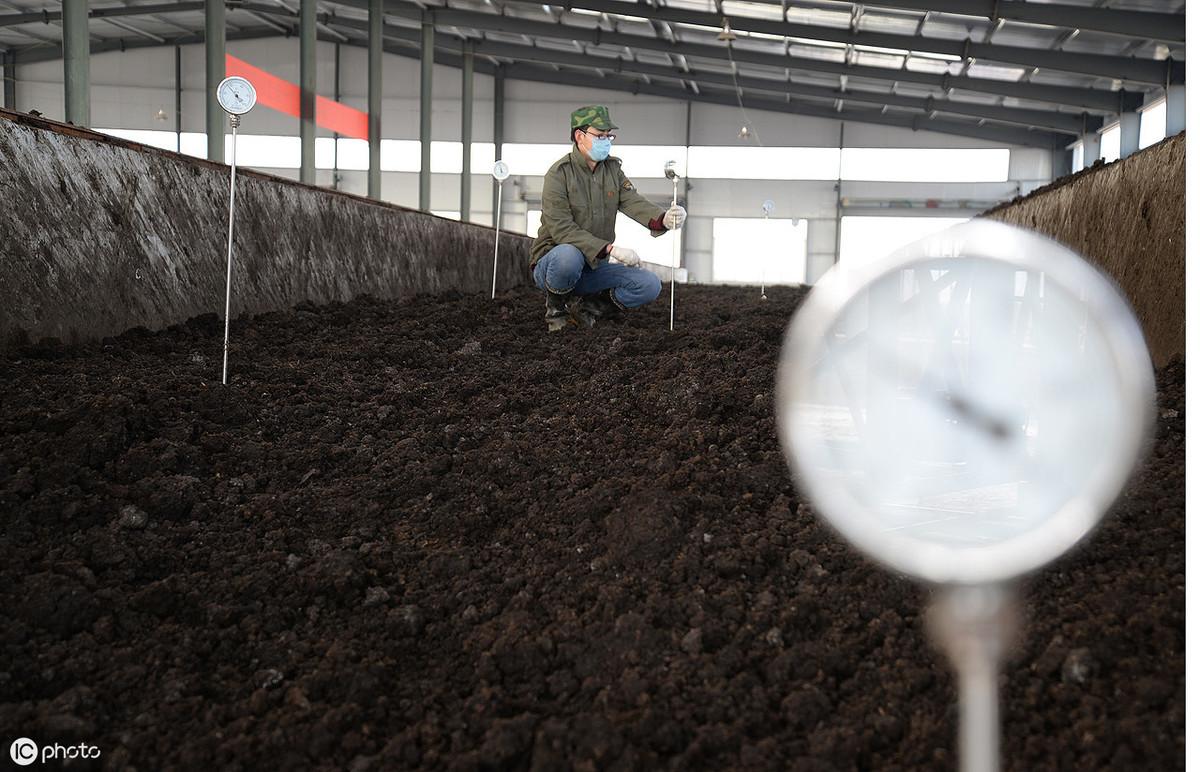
<point x="584" y="275"/>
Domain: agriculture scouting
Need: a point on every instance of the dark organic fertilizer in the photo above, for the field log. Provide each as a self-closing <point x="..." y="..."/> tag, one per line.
<point x="427" y="534"/>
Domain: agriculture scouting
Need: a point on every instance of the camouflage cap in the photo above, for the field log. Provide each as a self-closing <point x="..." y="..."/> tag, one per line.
<point x="592" y="115"/>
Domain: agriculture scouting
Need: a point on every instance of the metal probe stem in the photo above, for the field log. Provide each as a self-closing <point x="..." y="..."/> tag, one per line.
<point x="674" y="262"/>
<point x="234" y="122"/>
<point x="496" y="259"/>
<point x="975" y="626"/>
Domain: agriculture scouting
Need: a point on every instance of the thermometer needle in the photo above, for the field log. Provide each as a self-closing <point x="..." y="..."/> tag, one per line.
<point x="998" y="429"/>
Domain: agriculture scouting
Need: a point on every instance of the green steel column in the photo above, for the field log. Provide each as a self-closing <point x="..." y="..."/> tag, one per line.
<point x="10" y="81"/>
<point x="308" y="91"/>
<point x="76" y="54"/>
<point x="426" y="110"/>
<point x="1176" y="110"/>
<point x="375" y="98"/>
<point x="497" y="130"/>
<point x="214" y="73"/>
<point x="178" y="99"/>
<point x="468" y="103"/>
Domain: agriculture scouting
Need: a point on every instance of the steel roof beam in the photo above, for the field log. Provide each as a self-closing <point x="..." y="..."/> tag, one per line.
<point x="1125" y="68"/>
<point x="1003" y="134"/>
<point x="1154" y="25"/>
<point x="1088" y="98"/>
<point x="1091" y="99"/>
<point x="45" y="17"/>
<point x="1058" y="121"/>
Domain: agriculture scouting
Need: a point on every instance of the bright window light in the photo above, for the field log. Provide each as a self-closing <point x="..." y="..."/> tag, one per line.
<point x="161" y="139"/>
<point x="763" y="163"/>
<point x="452" y="214"/>
<point x="924" y="164"/>
<point x="533" y="221"/>
<point x="1110" y="143"/>
<point x="867" y="239"/>
<point x="265" y="151"/>
<point x="530" y="159"/>
<point x="194" y="144"/>
<point x="1077" y="157"/>
<point x="353" y="154"/>
<point x="752" y="250"/>
<point x="483" y="157"/>
<point x="1154" y="124"/>
<point x="652" y="249"/>
<point x="647" y="161"/>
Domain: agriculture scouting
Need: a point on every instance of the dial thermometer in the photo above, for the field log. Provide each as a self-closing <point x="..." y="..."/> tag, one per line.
<point x="236" y="96"/>
<point x="965" y="411"/>
<point x="500" y="173"/>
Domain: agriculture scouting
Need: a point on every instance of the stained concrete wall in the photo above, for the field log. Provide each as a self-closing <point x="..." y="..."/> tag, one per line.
<point x="1126" y="217"/>
<point x="100" y="235"/>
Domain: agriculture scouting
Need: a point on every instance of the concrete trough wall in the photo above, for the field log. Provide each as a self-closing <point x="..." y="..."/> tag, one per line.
<point x="1127" y="218"/>
<point x="99" y="235"/>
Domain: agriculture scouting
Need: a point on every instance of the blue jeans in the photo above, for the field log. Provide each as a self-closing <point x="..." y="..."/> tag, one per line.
<point x="563" y="269"/>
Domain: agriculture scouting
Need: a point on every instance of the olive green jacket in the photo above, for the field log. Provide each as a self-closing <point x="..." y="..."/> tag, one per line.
<point x="579" y="206"/>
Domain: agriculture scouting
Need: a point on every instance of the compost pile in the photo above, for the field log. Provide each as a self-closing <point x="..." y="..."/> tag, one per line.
<point x="426" y="533"/>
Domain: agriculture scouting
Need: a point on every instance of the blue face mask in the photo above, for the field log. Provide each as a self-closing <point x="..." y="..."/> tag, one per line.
<point x="600" y="148"/>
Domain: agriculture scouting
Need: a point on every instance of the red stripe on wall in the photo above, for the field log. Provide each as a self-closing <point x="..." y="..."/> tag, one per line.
<point x="284" y="96"/>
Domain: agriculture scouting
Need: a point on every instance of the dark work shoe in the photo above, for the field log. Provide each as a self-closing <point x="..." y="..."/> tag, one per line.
<point x="557" y="315"/>
<point x="592" y="308"/>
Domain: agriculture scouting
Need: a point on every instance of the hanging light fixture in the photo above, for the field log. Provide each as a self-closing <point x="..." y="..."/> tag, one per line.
<point x="726" y="34"/>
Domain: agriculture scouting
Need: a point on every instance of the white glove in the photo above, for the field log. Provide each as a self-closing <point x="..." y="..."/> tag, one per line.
<point x="625" y="257"/>
<point x="674" y="217"/>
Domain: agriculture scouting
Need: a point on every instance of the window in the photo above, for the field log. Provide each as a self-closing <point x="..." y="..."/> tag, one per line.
<point x="652" y="249"/>
<point x="924" y="165"/>
<point x="1154" y="124"/>
<point x="866" y="239"/>
<point x="1077" y="157"/>
<point x="1110" y="143"/>
<point x="752" y="250"/>
<point x="763" y="163"/>
<point x="451" y="214"/>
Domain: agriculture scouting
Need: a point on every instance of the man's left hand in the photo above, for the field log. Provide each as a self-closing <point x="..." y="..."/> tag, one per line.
<point x="674" y="217"/>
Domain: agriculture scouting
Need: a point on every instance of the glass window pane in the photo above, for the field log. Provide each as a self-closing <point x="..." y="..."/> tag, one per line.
<point x="759" y="251"/>
<point x="763" y="163"/>
<point x="866" y="239"/>
<point x="924" y="164"/>
<point x="1154" y="124"/>
<point x="1110" y="143"/>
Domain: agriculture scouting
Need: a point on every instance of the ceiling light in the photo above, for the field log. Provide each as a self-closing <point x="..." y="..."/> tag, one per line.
<point x="726" y="33"/>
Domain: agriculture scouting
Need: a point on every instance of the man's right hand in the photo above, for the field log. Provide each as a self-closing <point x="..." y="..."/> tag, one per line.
<point x="625" y="256"/>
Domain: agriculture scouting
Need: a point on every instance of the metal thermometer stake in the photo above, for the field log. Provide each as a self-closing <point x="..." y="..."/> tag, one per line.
<point x="234" y="122"/>
<point x="669" y="171"/>
<point x="767" y="207"/>
<point x="236" y="95"/>
<point x="500" y="173"/>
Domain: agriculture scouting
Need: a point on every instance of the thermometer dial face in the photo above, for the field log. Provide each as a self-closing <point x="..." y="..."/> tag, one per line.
<point x="768" y="207"/>
<point x="236" y="95"/>
<point x="500" y="171"/>
<point x="966" y="410"/>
